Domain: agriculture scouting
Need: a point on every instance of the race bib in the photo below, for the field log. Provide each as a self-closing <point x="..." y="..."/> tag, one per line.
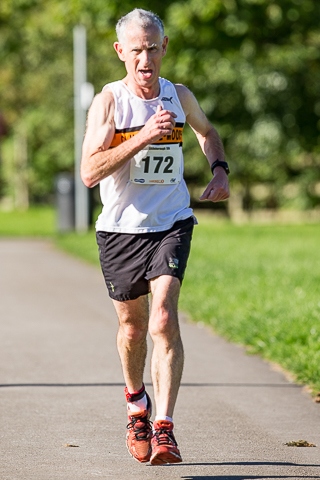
<point x="157" y="164"/>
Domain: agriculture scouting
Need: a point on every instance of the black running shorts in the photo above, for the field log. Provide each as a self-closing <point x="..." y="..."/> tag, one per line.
<point x="129" y="261"/>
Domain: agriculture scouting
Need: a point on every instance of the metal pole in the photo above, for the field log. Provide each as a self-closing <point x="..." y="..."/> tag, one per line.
<point x="80" y="77"/>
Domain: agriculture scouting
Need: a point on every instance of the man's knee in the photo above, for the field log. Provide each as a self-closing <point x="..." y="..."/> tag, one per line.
<point x="132" y="332"/>
<point x="133" y="319"/>
<point x="165" y="324"/>
<point x="164" y="312"/>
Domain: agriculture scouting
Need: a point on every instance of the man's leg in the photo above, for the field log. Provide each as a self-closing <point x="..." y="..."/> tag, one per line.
<point x="167" y="365"/>
<point x="133" y="318"/>
<point x="167" y="357"/>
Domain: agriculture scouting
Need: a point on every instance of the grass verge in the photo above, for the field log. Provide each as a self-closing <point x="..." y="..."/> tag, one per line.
<point x="36" y="222"/>
<point x="259" y="286"/>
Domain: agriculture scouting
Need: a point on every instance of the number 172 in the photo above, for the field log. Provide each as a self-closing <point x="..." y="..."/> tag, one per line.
<point x="165" y="162"/>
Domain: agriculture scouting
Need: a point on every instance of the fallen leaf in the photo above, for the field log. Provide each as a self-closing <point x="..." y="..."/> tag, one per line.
<point x="300" y="443"/>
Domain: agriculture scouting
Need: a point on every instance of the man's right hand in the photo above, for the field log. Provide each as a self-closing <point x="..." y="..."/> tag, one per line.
<point x="160" y="124"/>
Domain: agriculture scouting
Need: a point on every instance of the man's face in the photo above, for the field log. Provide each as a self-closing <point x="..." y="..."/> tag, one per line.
<point x="142" y="51"/>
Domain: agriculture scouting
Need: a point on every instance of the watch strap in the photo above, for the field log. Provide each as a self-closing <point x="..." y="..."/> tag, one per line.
<point x="220" y="163"/>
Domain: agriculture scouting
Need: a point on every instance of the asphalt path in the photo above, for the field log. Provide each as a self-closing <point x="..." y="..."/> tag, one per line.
<point x="62" y="406"/>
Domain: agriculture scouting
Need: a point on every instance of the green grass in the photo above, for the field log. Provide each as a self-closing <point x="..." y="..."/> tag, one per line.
<point x="259" y="286"/>
<point x="37" y="221"/>
<point x="81" y="245"/>
<point x="255" y="285"/>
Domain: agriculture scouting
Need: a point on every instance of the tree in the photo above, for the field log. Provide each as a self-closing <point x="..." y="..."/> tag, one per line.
<point x="253" y="65"/>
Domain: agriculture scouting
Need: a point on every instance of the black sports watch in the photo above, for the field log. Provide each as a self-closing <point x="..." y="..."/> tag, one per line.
<point x="219" y="163"/>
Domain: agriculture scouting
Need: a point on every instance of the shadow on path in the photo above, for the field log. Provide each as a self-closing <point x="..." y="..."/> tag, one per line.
<point x="245" y="477"/>
<point x="119" y="384"/>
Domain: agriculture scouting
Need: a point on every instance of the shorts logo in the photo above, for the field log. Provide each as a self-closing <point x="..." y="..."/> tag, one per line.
<point x="173" y="263"/>
<point x="111" y="286"/>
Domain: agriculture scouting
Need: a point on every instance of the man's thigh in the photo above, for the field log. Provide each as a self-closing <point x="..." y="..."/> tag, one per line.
<point x="133" y="313"/>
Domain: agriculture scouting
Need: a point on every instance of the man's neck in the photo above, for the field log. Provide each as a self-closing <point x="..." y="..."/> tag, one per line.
<point x="147" y="93"/>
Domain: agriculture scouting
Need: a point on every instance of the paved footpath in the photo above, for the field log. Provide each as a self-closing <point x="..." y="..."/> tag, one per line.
<point x="62" y="406"/>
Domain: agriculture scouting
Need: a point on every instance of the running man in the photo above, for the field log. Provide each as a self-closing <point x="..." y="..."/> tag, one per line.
<point x="133" y="149"/>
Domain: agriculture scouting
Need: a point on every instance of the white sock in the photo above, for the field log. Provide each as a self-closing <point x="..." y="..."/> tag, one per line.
<point x="138" y="406"/>
<point x="163" y="417"/>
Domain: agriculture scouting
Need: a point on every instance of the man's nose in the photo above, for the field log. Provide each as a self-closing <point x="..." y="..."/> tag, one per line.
<point x="145" y="57"/>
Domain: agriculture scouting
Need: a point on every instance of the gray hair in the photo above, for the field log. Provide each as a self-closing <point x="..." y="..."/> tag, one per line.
<point x="142" y="18"/>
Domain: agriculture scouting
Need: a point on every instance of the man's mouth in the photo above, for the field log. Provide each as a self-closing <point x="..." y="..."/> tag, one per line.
<point x="146" y="72"/>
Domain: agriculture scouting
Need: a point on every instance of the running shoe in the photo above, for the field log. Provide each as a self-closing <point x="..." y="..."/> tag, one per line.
<point x="164" y="445"/>
<point x="140" y="433"/>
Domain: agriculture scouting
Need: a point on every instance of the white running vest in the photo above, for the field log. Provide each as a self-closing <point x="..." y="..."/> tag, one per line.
<point x="147" y="194"/>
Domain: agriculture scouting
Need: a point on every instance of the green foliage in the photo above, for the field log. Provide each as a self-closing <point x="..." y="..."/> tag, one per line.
<point x="253" y="65"/>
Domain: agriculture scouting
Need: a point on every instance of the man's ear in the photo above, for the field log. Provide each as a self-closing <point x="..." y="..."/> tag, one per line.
<point x="118" y="48"/>
<point x="164" y="45"/>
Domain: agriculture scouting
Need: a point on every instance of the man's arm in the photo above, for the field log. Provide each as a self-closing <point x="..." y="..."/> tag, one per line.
<point x="210" y="143"/>
<point x="98" y="160"/>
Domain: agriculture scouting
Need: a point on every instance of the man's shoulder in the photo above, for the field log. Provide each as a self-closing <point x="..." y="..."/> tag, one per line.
<point x="184" y="94"/>
<point x="105" y="96"/>
<point x="182" y="89"/>
<point x="103" y="102"/>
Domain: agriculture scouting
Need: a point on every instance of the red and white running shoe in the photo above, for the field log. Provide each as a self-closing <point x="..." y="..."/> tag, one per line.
<point x="140" y="433"/>
<point x="164" y="445"/>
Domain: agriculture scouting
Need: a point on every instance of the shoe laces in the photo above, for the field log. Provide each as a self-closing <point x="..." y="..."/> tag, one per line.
<point x="164" y="437"/>
<point x="140" y="426"/>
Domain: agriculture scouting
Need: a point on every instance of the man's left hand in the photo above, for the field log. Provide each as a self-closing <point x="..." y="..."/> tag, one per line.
<point x="218" y="188"/>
